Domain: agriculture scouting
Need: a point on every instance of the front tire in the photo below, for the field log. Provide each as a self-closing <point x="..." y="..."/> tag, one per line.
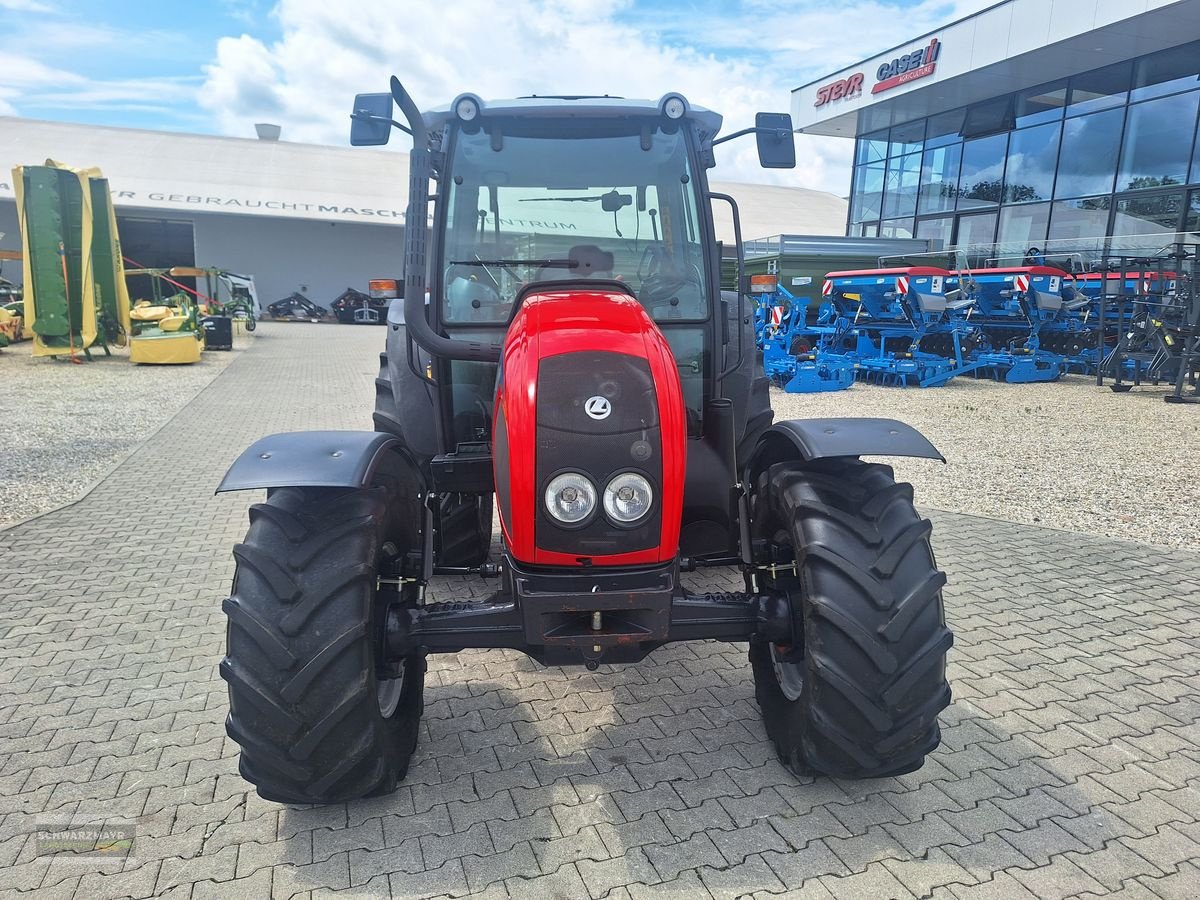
<point x="319" y="714"/>
<point x="858" y="694"/>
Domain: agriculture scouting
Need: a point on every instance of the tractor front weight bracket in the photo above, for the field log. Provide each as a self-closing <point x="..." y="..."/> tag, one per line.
<point x="565" y="619"/>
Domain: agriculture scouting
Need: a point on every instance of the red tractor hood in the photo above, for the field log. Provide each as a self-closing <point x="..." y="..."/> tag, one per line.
<point x="564" y="348"/>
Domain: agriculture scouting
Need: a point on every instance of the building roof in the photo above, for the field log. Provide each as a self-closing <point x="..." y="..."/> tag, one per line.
<point x="1013" y="45"/>
<point x="166" y="171"/>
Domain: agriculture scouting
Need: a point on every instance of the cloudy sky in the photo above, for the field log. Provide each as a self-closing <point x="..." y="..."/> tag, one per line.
<point x="218" y="66"/>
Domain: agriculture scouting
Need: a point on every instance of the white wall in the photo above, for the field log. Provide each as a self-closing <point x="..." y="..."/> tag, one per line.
<point x="283" y="254"/>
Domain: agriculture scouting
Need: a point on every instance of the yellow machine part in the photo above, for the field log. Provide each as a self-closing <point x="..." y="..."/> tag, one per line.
<point x="147" y="312"/>
<point x="172" y="323"/>
<point x="10" y="325"/>
<point x="166" y="349"/>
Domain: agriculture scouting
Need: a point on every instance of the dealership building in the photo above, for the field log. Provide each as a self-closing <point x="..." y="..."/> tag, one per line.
<point x="1031" y="122"/>
<point x="298" y="217"/>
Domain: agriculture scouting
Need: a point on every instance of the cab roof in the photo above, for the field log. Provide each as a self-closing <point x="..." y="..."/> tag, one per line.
<point x="561" y="106"/>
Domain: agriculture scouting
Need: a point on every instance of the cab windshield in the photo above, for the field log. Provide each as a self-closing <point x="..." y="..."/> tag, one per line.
<point x="559" y="199"/>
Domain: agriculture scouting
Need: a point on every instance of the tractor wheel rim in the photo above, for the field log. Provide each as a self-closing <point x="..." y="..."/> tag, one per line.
<point x="388" y="692"/>
<point x="790" y="676"/>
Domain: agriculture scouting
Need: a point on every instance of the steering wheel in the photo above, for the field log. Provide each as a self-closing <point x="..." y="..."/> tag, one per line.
<point x="662" y="279"/>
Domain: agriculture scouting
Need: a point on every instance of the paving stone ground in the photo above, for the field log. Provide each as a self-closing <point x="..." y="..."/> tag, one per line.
<point x="1070" y="765"/>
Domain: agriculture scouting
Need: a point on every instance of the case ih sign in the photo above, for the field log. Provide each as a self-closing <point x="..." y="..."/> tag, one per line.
<point x="909" y="67"/>
<point x="847" y="87"/>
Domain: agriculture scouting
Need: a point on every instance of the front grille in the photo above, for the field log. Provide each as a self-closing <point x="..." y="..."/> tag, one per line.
<point x="628" y="438"/>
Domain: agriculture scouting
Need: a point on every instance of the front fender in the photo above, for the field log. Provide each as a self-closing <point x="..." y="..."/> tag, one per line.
<point x="822" y="438"/>
<point x="310" y="459"/>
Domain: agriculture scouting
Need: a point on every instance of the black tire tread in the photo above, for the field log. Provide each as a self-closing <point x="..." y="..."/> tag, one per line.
<point x="870" y="610"/>
<point x="301" y="653"/>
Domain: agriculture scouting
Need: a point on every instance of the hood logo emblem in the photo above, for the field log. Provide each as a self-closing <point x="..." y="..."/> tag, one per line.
<point x="597" y="407"/>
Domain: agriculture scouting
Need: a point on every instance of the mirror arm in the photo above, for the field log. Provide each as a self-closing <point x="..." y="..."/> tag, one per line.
<point x="367" y="117"/>
<point x="780" y="134"/>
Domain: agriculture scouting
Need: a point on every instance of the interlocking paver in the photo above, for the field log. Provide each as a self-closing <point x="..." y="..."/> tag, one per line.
<point x="1070" y="761"/>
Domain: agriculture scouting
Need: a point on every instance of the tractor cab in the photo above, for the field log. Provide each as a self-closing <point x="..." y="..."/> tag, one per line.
<point x="546" y="193"/>
<point x="545" y="196"/>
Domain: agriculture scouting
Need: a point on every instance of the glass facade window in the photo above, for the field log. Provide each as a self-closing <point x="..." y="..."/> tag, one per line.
<point x="945" y="128"/>
<point x="1088" y="161"/>
<point x="1191" y="218"/>
<point x="1043" y="104"/>
<point x="903" y="176"/>
<point x="1172" y="70"/>
<point x="976" y="228"/>
<point x="896" y="228"/>
<point x="1079" y="219"/>
<point x="1032" y="158"/>
<point x="1101" y="89"/>
<point x="939" y="179"/>
<point x="991" y="117"/>
<point x="1149" y="214"/>
<point x="1152" y="154"/>
<point x="1117" y="148"/>
<point x="906" y="138"/>
<point x="982" y="174"/>
<point x="938" y="229"/>
<point x="867" y="198"/>
<point x="1024" y="225"/>
<point x="872" y="147"/>
<point x="1195" y="178"/>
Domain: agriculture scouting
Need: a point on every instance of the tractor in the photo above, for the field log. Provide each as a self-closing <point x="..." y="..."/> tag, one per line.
<point x="564" y="361"/>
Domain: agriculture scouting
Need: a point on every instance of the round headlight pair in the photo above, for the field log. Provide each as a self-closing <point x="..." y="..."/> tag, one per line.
<point x="571" y="498"/>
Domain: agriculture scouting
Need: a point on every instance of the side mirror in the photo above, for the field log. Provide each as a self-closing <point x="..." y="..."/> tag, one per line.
<point x="371" y="120"/>
<point x="776" y="146"/>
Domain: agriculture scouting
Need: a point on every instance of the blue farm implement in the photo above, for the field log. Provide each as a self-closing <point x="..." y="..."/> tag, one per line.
<point x="797" y="356"/>
<point x="905" y="329"/>
<point x="1013" y="309"/>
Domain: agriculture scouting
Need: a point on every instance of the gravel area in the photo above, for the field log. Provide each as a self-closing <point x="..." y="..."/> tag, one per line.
<point x="63" y="426"/>
<point x="1066" y="455"/>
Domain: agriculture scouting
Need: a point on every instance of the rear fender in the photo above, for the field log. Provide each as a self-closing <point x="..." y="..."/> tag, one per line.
<point x="810" y="439"/>
<point x="334" y="459"/>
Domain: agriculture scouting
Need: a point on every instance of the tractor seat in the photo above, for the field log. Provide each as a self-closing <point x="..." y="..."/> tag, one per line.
<point x="589" y="262"/>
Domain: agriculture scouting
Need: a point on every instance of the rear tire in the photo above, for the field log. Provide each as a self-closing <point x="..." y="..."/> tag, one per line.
<point x="859" y="696"/>
<point x="319" y="715"/>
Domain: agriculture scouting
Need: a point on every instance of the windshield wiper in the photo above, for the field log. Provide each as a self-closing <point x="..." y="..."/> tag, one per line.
<point x="595" y="199"/>
<point x="544" y="263"/>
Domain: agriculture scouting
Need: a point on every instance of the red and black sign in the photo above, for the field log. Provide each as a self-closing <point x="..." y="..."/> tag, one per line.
<point x="838" y="90"/>
<point x="906" y="68"/>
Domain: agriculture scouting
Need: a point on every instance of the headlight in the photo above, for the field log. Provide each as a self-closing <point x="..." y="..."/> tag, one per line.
<point x="570" y="498"/>
<point x="627" y="498"/>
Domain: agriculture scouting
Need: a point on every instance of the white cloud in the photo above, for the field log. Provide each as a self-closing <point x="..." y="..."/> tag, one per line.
<point x="737" y="61"/>
<point x="26" y="6"/>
